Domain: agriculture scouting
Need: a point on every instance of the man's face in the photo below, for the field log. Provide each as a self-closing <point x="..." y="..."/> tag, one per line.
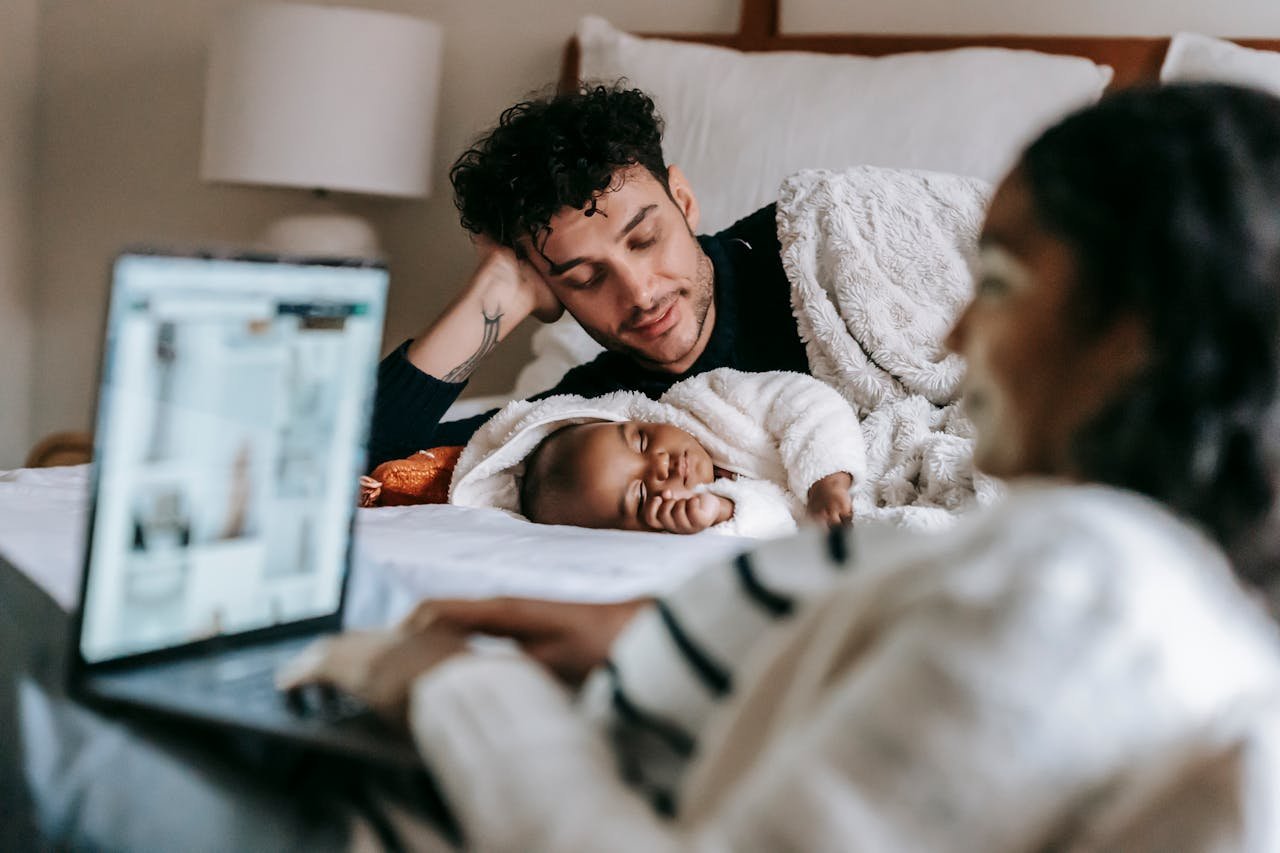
<point x="1034" y="378"/>
<point x="617" y="467"/>
<point x="631" y="272"/>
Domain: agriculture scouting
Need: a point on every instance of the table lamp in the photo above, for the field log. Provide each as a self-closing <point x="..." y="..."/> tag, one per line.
<point x="329" y="99"/>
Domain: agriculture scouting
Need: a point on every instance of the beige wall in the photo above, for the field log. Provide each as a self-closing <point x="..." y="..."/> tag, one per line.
<point x="17" y="161"/>
<point x="122" y="95"/>
<point x="121" y="92"/>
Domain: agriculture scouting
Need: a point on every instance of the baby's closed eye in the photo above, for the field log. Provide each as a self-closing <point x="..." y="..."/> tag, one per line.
<point x="639" y="494"/>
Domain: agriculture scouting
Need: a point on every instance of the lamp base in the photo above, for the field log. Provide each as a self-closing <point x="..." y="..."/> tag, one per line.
<point x="331" y="233"/>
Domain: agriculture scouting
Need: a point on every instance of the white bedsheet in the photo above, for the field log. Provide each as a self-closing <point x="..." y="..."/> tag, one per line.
<point x="402" y="554"/>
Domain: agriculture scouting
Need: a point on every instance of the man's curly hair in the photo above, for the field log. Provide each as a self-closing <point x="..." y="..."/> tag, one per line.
<point x="554" y="152"/>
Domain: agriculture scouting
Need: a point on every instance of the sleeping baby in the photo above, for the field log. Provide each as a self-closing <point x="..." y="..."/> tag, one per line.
<point x="746" y="454"/>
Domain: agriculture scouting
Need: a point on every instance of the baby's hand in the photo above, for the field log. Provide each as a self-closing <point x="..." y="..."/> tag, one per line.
<point x="687" y="513"/>
<point x="829" y="501"/>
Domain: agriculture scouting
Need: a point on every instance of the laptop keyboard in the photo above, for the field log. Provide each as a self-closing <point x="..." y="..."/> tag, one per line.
<point x="247" y="681"/>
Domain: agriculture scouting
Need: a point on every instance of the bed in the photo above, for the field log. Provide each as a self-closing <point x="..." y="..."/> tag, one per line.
<point x="946" y="121"/>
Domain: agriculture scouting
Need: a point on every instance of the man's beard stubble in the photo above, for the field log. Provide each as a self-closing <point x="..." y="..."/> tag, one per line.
<point x="700" y="298"/>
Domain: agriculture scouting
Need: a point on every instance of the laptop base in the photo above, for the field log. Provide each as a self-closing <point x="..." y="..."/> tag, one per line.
<point x="236" y="689"/>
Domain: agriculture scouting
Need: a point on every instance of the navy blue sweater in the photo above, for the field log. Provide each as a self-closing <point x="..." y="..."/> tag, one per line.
<point x="754" y="331"/>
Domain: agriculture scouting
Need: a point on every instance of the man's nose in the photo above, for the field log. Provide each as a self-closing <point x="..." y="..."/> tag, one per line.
<point x="635" y="286"/>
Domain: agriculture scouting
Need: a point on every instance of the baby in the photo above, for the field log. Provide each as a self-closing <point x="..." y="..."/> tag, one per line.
<point x="635" y="475"/>
<point x="748" y="454"/>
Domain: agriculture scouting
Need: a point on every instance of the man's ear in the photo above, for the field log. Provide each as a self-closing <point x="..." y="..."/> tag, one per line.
<point x="682" y="195"/>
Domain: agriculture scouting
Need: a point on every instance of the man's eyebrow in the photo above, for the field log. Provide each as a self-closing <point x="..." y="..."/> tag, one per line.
<point x="636" y="220"/>
<point x="562" y="268"/>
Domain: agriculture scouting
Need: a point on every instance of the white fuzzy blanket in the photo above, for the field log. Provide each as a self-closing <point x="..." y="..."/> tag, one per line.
<point x="878" y="261"/>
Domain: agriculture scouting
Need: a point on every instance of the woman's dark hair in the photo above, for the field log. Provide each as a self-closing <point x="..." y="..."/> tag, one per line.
<point x="554" y="152"/>
<point x="1170" y="198"/>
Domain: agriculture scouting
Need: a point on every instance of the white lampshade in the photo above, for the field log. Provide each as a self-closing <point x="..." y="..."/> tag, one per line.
<point x="322" y="98"/>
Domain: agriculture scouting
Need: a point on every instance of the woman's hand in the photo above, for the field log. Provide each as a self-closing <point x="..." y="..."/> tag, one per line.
<point x="376" y="667"/>
<point x="570" y="639"/>
<point x="829" y="502"/>
<point x="690" y="513"/>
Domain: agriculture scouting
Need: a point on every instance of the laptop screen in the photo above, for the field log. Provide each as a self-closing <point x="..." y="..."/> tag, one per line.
<point x="231" y="431"/>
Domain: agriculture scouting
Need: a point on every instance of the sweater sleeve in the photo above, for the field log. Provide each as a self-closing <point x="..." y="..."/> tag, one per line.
<point x="761" y="510"/>
<point x="407" y="407"/>
<point x="678" y="662"/>
<point x="895" y="732"/>
<point x="520" y="769"/>
<point x="904" y="747"/>
<point x="817" y="431"/>
<point x="523" y="770"/>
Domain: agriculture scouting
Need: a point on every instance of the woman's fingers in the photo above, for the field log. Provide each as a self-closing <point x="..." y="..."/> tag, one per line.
<point x="345" y="661"/>
<point x="376" y="667"/>
<point x="569" y="638"/>
<point x="309" y="667"/>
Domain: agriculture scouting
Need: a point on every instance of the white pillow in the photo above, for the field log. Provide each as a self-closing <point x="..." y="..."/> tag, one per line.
<point x="1193" y="57"/>
<point x="738" y="123"/>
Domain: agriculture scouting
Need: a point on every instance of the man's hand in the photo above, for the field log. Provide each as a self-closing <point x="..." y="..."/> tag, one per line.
<point x="829" y="502"/>
<point x="689" y="513"/>
<point x="376" y="667"/>
<point x="501" y="293"/>
<point x="569" y="639"/>
<point x="498" y="263"/>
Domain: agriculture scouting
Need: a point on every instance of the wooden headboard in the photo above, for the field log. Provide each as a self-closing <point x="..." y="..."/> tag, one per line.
<point x="1135" y="60"/>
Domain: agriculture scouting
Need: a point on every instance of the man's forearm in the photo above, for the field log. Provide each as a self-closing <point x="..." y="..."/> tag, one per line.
<point x="484" y="313"/>
<point x="418" y="382"/>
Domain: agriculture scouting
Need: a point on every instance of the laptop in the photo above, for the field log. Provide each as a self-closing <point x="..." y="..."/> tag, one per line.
<point x="232" y="421"/>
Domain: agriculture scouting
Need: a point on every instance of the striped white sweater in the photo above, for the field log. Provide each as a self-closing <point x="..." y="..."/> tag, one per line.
<point x="1073" y="670"/>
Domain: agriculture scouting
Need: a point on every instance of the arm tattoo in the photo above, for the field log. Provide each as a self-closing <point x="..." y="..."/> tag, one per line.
<point x="487" y="343"/>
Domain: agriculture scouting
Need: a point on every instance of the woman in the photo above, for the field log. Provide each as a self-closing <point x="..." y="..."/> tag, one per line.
<point x="1075" y="669"/>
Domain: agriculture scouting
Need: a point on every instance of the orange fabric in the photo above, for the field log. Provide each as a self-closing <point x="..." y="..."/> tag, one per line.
<point x="422" y="478"/>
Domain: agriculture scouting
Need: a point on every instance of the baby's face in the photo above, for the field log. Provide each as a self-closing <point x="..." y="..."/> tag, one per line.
<point x="618" y="466"/>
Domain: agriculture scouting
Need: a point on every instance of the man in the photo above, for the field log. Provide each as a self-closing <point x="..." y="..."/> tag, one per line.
<point x="574" y="208"/>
